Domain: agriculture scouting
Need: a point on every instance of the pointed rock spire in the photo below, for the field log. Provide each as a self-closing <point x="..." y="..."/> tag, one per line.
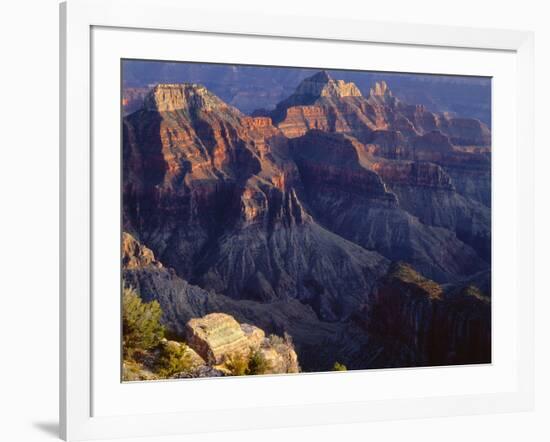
<point x="380" y="89"/>
<point x="323" y="85"/>
<point x="321" y="77"/>
<point x="381" y="94"/>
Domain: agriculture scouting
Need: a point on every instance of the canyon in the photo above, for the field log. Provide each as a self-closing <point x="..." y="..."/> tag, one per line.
<point x="358" y="225"/>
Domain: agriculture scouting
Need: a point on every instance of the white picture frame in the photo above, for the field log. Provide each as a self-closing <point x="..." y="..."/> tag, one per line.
<point x="78" y="420"/>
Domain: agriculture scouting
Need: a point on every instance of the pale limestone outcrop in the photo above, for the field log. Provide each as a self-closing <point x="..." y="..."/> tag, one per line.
<point x="218" y="336"/>
<point x="215" y="336"/>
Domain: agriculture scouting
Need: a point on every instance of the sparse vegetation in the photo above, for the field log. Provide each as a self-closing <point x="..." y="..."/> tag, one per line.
<point x="173" y="358"/>
<point x="237" y="364"/>
<point x="339" y="367"/>
<point x="141" y="327"/>
<point x="407" y="274"/>
<point x="258" y="364"/>
<point x="147" y="354"/>
<point x="253" y="363"/>
<point x="475" y="292"/>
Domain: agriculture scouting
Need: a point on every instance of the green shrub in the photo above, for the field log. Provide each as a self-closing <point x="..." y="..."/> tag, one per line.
<point x="237" y="364"/>
<point x="141" y="328"/>
<point x="258" y="364"/>
<point x="173" y="358"/>
<point x="339" y="367"/>
<point x="253" y="363"/>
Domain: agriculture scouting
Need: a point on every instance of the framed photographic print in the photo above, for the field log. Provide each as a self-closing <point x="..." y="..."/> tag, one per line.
<point x="325" y="221"/>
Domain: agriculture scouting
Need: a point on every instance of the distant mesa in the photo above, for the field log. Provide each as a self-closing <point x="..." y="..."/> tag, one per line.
<point x="182" y="96"/>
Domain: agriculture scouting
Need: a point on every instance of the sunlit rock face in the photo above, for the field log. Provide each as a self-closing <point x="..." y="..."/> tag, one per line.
<point x="288" y="221"/>
<point x="216" y="336"/>
<point x="183" y="97"/>
<point x="135" y="255"/>
<point x="323" y="103"/>
<point x="323" y="85"/>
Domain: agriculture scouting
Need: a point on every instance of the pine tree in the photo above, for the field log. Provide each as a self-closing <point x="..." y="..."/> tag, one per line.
<point x="141" y="328"/>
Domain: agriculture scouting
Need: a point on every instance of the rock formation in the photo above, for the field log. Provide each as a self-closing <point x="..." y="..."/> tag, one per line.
<point x="288" y="222"/>
<point x="135" y="255"/>
<point x="217" y="335"/>
<point x="427" y="325"/>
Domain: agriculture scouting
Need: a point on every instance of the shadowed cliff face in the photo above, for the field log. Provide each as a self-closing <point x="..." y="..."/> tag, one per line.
<point x="430" y="325"/>
<point x="353" y="197"/>
<point x="289" y="221"/>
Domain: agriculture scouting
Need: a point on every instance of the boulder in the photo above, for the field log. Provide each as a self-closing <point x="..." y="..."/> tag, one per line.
<point x="216" y="335"/>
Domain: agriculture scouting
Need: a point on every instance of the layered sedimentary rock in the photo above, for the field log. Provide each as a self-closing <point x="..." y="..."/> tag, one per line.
<point x="427" y="191"/>
<point x="220" y="203"/>
<point x="217" y="335"/>
<point x="371" y="216"/>
<point x="413" y="173"/>
<point x="423" y="324"/>
<point x="323" y="103"/>
<point x="186" y="158"/>
<point x="288" y="221"/>
<point x="390" y="144"/>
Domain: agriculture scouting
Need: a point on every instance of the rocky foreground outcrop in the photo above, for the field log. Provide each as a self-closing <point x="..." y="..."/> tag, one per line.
<point x="218" y="336"/>
<point x="182" y="302"/>
<point x="212" y="342"/>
